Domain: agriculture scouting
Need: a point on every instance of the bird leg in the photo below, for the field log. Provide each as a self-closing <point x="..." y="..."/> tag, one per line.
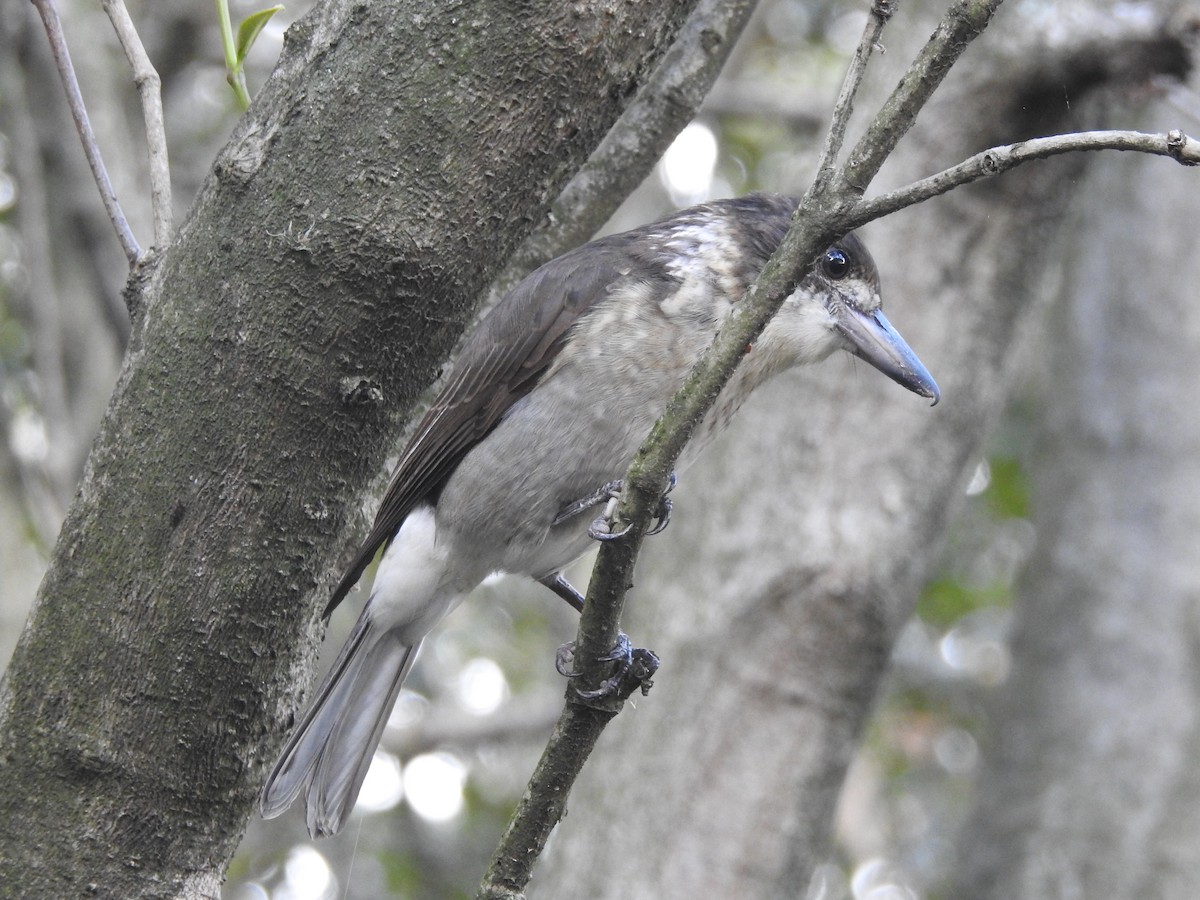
<point x="635" y="666"/>
<point x="610" y="495"/>
<point x="564" y="589"/>
<point x="606" y="492"/>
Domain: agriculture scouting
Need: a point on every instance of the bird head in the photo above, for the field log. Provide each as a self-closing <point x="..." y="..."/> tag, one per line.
<point x="838" y="307"/>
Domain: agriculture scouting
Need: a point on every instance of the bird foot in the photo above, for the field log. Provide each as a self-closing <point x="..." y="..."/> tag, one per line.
<point x="605" y="493"/>
<point x="634" y="671"/>
<point x="601" y="528"/>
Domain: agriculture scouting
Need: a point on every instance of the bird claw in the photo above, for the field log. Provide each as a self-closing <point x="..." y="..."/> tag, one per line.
<point x="564" y="660"/>
<point x="635" y="670"/>
<point x="601" y="527"/>
<point x="621" y="651"/>
<point x="663" y="515"/>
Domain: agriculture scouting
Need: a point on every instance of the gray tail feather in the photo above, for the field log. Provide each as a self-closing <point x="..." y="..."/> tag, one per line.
<point x="332" y="747"/>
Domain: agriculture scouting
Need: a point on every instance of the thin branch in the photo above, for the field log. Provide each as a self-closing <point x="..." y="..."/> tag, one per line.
<point x="818" y="221"/>
<point x="666" y="103"/>
<point x="523" y="719"/>
<point x="881" y="11"/>
<point x="961" y="24"/>
<point x="62" y="59"/>
<point x="1174" y="144"/>
<point x="47" y="484"/>
<point x="149" y="87"/>
<point x="628" y="152"/>
<point x="821" y="217"/>
<point x="544" y="803"/>
<point x="831" y="207"/>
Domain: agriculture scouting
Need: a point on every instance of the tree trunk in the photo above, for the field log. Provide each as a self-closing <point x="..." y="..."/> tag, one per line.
<point x="1090" y="786"/>
<point x="397" y="155"/>
<point x="799" y="544"/>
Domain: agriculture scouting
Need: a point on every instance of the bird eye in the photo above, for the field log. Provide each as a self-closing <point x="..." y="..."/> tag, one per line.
<point x="836" y="263"/>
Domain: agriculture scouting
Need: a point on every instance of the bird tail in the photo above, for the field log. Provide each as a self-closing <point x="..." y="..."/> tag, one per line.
<point x="332" y="747"/>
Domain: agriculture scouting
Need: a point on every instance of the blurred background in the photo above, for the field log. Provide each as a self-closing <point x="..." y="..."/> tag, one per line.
<point x="475" y="714"/>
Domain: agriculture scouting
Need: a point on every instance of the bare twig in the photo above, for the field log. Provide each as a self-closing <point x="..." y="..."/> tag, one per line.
<point x="62" y="59"/>
<point x="46" y="484"/>
<point x="881" y="11"/>
<point x="997" y="160"/>
<point x="961" y="24"/>
<point x="522" y="719"/>
<point x="832" y="206"/>
<point x="626" y="154"/>
<point x="150" y="91"/>
<point x="822" y="217"/>
<point x="819" y="220"/>
<point x="544" y="803"/>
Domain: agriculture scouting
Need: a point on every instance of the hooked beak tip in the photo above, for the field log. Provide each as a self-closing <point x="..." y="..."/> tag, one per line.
<point x="917" y="380"/>
<point x="872" y="338"/>
<point x="932" y="391"/>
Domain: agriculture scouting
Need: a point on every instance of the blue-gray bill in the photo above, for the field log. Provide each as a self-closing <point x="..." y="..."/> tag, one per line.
<point x="873" y="339"/>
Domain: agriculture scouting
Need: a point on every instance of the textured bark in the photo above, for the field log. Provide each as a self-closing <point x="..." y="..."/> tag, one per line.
<point x="775" y="616"/>
<point x="398" y="153"/>
<point x="1090" y="788"/>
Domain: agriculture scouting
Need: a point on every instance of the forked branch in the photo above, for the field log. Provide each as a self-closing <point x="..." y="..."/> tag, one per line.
<point x="91" y="149"/>
<point x="832" y="206"/>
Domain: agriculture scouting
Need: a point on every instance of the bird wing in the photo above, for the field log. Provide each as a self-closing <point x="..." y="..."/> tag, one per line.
<point x="501" y="362"/>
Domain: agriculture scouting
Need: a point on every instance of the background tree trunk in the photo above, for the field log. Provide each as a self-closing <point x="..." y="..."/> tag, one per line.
<point x="398" y="154"/>
<point x="1090" y="784"/>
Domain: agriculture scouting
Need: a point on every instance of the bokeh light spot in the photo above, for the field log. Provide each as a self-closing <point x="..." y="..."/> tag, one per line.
<point x="384" y="784"/>
<point x="688" y="165"/>
<point x="433" y="784"/>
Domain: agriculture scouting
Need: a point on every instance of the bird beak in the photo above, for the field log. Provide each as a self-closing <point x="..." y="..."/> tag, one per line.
<point x="872" y="338"/>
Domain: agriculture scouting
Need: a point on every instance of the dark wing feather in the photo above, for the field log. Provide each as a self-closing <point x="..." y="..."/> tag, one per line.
<point x="502" y="362"/>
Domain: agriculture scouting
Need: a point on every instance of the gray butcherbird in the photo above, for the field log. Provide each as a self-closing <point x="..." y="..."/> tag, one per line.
<point x="549" y="400"/>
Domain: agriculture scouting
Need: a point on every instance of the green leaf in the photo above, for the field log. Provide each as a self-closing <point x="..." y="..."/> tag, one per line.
<point x="947" y="599"/>
<point x="1008" y="493"/>
<point x="249" y="30"/>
